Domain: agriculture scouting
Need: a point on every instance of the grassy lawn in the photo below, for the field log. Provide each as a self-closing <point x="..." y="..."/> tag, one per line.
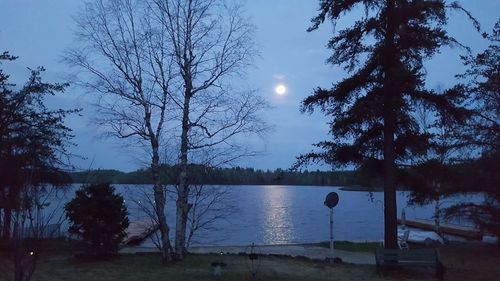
<point x="471" y="262"/>
<point x="464" y="262"/>
<point x="352" y="246"/>
<point x="197" y="267"/>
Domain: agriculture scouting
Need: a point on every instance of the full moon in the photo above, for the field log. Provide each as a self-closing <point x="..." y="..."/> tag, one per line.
<point x="280" y="89"/>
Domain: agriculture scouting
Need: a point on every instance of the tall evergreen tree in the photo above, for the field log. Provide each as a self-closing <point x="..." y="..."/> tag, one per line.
<point x="371" y="110"/>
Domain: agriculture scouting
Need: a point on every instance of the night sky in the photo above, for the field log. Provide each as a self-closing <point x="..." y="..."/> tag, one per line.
<point x="38" y="31"/>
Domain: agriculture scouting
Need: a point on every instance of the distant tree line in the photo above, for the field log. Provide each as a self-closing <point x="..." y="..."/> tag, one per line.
<point x="225" y="176"/>
<point x="475" y="176"/>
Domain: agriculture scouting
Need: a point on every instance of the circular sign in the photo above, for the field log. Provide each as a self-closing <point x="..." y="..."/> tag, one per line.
<point x="332" y="199"/>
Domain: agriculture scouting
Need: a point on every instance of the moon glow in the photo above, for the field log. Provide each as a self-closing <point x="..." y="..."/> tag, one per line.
<point x="280" y="89"/>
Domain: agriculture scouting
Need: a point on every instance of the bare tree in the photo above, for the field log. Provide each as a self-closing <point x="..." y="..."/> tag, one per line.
<point x="158" y="61"/>
<point x="124" y="58"/>
<point x="210" y="206"/>
<point x="212" y="44"/>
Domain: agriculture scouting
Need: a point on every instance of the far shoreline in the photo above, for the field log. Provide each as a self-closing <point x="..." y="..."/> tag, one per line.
<point x="355" y="188"/>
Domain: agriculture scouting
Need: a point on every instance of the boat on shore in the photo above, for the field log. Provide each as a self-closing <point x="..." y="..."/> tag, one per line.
<point x="418" y="236"/>
<point x="444" y="228"/>
<point x="139" y="230"/>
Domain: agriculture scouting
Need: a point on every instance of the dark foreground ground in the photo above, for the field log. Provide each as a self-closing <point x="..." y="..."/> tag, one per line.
<point x="463" y="262"/>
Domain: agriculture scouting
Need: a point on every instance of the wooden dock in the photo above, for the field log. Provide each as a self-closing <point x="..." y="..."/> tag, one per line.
<point x="139" y="230"/>
<point x="450" y="229"/>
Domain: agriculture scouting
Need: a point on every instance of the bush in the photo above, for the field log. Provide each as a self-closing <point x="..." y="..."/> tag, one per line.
<point x="99" y="217"/>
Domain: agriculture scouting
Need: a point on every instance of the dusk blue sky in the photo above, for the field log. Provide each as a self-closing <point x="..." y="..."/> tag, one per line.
<point x="38" y="31"/>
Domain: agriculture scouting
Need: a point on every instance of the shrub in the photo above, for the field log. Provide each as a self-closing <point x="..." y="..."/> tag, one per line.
<point x="98" y="216"/>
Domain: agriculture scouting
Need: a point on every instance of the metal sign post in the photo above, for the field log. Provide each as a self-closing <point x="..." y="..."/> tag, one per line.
<point x="331" y="234"/>
<point x="332" y="199"/>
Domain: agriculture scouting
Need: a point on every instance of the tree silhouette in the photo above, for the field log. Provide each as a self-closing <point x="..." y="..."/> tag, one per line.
<point x="212" y="44"/>
<point x="371" y="110"/>
<point x="482" y="134"/>
<point x="125" y="61"/>
<point x="32" y="139"/>
<point x="99" y="217"/>
<point x="33" y="142"/>
<point x="483" y="90"/>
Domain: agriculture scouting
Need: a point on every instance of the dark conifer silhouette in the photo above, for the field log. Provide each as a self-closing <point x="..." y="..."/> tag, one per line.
<point x="371" y="121"/>
<point x="98" y="216"/>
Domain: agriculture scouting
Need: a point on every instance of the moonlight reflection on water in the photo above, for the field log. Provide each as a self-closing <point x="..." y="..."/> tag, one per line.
<point x="280" y="227"/>
<point x="285" y="214"/>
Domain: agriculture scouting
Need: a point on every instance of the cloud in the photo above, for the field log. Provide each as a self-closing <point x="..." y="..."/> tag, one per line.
<point x="279" y="76"/>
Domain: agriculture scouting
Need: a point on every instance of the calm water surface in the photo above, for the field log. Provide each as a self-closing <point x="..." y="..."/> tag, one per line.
<point x="271" y="214"/>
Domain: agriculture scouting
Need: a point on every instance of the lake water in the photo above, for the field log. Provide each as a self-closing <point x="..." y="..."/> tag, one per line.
<point x="271" y="214"/>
